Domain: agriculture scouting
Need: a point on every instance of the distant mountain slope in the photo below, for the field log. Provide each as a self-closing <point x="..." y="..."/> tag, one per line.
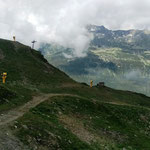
<point x="133" y="40"/>
<point x="119" y="58"/>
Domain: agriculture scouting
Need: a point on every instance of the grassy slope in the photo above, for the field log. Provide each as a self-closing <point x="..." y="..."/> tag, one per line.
<point x="30" y="74"/>
<point x="27" y="65"/>
<point x="77" y="123"/>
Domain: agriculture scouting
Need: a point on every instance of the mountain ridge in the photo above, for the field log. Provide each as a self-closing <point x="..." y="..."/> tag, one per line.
<point x="43" y="108"/>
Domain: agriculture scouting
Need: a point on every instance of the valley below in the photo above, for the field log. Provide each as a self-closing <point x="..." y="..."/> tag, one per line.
<point x="120" y="58"/>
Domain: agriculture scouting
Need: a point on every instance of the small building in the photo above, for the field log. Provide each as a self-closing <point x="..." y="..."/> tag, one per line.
<point x="101" y="84"/>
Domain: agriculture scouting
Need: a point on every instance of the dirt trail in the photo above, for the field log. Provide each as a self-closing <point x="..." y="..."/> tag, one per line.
<point x="7" y="140"/>
<point x="126" y="104"/>
<point x="18" y="112"/>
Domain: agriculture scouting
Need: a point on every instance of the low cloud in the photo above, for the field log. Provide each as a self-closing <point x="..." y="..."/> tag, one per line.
<point x="64" y="21"/>
<point x="133" y="75"/>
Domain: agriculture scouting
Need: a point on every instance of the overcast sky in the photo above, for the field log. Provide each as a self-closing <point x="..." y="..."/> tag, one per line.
<point x="64" y="21"/>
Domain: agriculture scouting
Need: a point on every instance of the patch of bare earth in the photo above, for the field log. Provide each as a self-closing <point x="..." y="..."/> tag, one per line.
<point x="77" y="128"/>
<point x="103" y="138"/>
<point x="14" y="114"/>
<point x="7" y="140"/>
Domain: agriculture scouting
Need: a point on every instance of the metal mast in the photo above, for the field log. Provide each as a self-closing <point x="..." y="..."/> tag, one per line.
<point x="33" y="42"/>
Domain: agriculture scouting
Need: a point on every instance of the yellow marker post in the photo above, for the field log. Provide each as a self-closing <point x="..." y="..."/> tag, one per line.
<point x="4" y="76"/>
<point x="14" y="38"/>
<point x="91" y="83"/>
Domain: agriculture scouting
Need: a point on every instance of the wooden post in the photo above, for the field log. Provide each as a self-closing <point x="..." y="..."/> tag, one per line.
<point x="14" y="38"/>
<point x="91" y="83"/>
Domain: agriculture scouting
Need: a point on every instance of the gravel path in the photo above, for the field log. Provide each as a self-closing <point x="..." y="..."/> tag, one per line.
<point x="7" y="140"/>
<point x="18" y="112"/>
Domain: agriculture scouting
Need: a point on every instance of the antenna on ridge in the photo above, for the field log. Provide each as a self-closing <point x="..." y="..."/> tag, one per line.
<point x="33" y="42"/>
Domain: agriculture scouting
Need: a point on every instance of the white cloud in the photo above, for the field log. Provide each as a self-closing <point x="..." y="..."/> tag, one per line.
<point x="64" y="21"/>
